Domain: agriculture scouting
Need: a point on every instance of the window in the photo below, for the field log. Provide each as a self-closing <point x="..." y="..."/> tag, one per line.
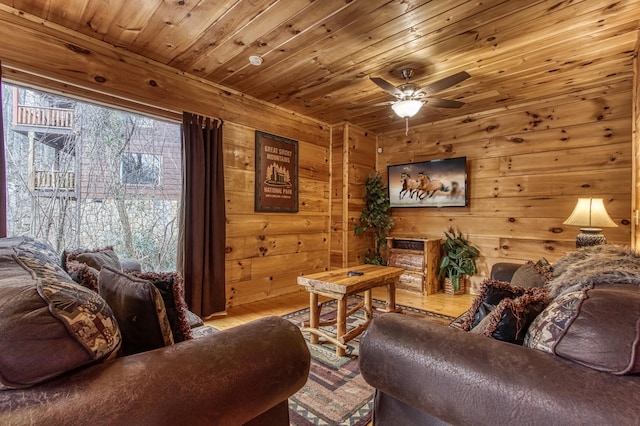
<point x="140" y="169"/>
<point x="82" y="175"/>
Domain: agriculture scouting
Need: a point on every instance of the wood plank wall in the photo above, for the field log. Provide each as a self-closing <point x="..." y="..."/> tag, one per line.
<point x="361" y="160"/>
<point x="354" y="158"/>
<point x="635" y="214"/>
<point x="266" y="251"/>
<point x="338" y="194"/>
<point x="527" y="167"/>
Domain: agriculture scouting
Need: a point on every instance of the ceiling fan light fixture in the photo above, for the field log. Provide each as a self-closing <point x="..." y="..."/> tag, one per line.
<point x="406" y="108"/>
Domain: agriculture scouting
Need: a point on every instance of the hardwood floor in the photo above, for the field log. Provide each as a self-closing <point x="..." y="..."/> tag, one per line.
<point x="439" y="302"/>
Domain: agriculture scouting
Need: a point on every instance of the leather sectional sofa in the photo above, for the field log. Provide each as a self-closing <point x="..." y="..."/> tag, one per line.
<point x="429" y="374"/>
<point x="61" y="359"/>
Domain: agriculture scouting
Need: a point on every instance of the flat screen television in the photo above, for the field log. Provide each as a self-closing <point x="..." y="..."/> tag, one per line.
<point x="433" y="183"/>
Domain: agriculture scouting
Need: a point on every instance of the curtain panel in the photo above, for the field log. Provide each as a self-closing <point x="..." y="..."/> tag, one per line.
<point x="202" y="236"/>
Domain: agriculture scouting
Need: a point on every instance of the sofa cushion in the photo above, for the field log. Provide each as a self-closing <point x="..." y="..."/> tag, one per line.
<point x="171" y="287"/>
<point x="511" y="318"/>
<point x="48" y="324"/>
<point x="598" y="327"/>
<point x="84" y="265"/>
<point x="137" y="305"/>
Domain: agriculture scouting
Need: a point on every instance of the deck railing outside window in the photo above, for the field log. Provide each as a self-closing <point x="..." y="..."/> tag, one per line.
<point x="54" y="180"/>
<point x="61" y="118"/>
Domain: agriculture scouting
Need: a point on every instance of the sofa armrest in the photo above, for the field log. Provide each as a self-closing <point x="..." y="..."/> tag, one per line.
<point x="464" y="378"/>
<point x="226" y="378"/>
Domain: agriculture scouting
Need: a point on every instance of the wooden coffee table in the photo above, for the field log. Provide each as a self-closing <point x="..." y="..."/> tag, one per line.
<point x="337" y="284"/>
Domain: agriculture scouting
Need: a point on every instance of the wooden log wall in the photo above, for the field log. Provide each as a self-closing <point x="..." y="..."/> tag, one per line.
<point x="338" y="195"/>
<point x="635" y="214"/>
<point x="527" y="166"/>
<point x="354" y="158"/>
<point x="266" y="251"/>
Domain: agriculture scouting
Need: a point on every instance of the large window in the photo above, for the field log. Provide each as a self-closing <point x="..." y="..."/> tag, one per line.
<point x="82" y="175"/>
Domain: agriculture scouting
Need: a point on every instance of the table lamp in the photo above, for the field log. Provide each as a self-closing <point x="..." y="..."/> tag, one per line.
<point x="591" y="215"/>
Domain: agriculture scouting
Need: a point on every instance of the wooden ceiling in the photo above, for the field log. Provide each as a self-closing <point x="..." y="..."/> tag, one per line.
<point x="318" y="55"/>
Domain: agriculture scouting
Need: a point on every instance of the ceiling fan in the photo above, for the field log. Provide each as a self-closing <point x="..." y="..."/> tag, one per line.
<point x="410" y="98"/>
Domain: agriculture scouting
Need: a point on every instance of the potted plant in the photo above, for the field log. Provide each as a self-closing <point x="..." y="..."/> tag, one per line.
<point x="458" y="259"/>
<point x="376" y="217"/>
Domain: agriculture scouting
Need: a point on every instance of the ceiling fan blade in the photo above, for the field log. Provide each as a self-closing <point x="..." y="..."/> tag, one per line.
<point x="445" y="83"/>
<point x="370" y="105"/>
<point x="442" y="103"/>
<point x="385" y="85"/>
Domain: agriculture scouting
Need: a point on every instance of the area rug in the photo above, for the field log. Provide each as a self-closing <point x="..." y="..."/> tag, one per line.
<point x="335" y="393"/>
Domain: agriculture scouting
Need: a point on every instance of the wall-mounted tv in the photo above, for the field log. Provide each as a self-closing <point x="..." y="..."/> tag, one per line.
<point x="434" y="183"/>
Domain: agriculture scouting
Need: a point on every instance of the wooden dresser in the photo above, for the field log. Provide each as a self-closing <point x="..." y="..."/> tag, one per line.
<point x="420" y="259"/>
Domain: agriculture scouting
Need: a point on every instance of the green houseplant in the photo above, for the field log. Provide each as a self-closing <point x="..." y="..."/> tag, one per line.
<point x="375" y="216"/>
<point x="458" y="258"/>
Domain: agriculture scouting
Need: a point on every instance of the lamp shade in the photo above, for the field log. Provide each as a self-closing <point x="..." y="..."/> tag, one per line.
<point x="590" y="213"/>
<point x="407" y="108"/>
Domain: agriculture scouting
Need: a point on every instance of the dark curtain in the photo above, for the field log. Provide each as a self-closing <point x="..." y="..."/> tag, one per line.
<point x="202" y="219"/>
<point x="3" y="171"/>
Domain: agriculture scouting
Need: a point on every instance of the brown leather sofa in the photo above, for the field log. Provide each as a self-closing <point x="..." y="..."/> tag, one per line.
<point x="428" y="374"/>
<point x="243" y="375"/>
<point x="239" y="376"/>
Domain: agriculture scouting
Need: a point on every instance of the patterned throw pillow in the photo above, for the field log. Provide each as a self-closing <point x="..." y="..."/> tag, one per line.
<point x="138" y="306"/>
<point x="597" y="327"/>
<point x="49" y="315"/>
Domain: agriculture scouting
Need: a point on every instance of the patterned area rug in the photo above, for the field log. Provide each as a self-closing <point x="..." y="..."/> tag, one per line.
<point x="335" y="393"/>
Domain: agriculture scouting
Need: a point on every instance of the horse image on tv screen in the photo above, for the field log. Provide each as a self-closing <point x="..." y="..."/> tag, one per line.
<point x="434" y="183"/>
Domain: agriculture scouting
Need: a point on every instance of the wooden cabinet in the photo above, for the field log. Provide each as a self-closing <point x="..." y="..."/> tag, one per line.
<point x="420" y="259"/>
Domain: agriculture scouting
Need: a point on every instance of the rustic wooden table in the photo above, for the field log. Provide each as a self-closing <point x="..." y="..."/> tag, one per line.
<point x="338" y="284"/>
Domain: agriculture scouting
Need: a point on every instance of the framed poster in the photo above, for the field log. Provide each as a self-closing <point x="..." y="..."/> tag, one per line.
<point x="276" y="174"/>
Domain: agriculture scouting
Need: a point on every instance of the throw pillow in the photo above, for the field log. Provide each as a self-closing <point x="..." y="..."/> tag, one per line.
<point x="202" y="330"/>
<point x="52" y="325"/>
<point x="597" y="327"/>
<point x="532" y="274"/>
<point x="99" y="258"/>
<point x="137" y="305"/>
<point x="510" y="319"/>
<point x="83" y="274"/>
<point x="171" y="287"/>
<point x="84" y="265"/>
<point x="491" y="293"/>
<point x="194" y="320"/>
